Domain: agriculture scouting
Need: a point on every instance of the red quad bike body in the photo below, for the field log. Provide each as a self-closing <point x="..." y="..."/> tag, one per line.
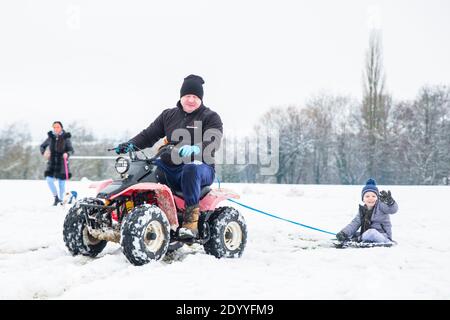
<point x="144" y="216"/>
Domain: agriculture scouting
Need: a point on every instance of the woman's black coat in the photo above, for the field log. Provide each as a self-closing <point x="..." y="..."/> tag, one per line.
<point x="58" y="144"/>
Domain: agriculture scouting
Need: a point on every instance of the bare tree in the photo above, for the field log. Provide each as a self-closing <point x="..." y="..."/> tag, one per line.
<point x="375" y="104"/>
<point x="295" y="143"/>
<point x="330" y="118"/>
<point x="350" y="162"/>
<point x="15" y="152"/>
<point x="422" y="129"/>
<point x="319" y="113"/>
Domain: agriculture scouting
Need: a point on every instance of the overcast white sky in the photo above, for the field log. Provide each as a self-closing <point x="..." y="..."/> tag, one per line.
<point x="114" y="65"/>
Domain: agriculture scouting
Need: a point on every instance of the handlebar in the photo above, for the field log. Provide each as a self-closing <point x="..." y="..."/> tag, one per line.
<point x="133" y="153"/>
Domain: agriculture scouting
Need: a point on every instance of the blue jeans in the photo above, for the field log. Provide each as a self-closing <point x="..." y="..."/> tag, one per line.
<point x="189" y="178"/>
<point x="372" y="235"/>
<point x="51" y="185"/>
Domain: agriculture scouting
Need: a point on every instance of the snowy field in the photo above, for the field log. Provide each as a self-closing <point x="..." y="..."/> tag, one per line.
<point x="281" y="260"/>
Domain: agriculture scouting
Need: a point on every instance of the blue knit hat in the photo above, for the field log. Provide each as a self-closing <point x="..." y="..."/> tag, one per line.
<point x="371" y="185"/>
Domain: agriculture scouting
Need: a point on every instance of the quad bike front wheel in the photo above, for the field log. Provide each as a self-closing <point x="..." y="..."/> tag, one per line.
<point x="228" y="233"/>
<point x="75" y="233"/>
<point x="145" y="234"/>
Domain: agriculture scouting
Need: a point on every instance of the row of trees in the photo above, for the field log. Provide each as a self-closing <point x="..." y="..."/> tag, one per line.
<point x="330" y="140"/>
<point x="337" y="139"/>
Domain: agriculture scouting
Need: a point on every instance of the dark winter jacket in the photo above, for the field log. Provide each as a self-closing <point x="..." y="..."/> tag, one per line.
<point x="379" y="220"/>
<point x="196" y="123"/>
<point x="58" y="144"/>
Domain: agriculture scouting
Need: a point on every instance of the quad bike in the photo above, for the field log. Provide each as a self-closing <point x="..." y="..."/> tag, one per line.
<point x="144" y="216"/>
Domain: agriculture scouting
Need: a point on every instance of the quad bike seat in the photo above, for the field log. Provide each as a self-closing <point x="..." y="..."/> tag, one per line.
<point x="203" y="192"/>
<point x="161" y="177"/>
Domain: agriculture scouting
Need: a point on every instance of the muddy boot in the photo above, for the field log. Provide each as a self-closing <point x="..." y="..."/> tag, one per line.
<point x="190" y="223"/>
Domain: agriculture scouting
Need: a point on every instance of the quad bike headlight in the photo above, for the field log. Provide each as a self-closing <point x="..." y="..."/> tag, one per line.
<point x="122" y="165"/>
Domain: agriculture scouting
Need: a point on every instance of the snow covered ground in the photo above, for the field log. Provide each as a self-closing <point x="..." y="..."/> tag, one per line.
<point x="281" y="260"/>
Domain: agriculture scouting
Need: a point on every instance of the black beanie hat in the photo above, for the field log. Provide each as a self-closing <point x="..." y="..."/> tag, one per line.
<point x="192" y="84"/>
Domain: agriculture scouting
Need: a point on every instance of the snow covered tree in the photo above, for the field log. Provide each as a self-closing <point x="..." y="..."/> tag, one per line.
<point x="422" y="130"/>
<point x="294" y="145"/>
<point x="15" y="152"/>
<point x="319" y="113"/>
<point x="349" y="160"/>
<point x="331" y="119"/>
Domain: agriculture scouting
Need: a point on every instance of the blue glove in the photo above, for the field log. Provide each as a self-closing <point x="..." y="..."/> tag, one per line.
<point x="188" y="150"/>
<point x="124" y="148"/>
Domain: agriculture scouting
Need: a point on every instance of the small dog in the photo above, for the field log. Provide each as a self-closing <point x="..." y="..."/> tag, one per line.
<point x="69" y="197"/>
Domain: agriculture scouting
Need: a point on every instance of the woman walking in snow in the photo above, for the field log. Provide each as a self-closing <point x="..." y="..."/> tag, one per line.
<point x="56" y="149"/>
<point x="373" y="217"/>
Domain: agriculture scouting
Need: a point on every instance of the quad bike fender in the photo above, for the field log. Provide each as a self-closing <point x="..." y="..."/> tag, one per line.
<point x="100" y="185"/>
<point x="214" y="197"/>
<point x="164" y="199"/>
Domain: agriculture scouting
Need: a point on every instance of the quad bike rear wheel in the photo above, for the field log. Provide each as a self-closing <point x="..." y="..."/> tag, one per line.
<point x="228" y="233"/>
<point x="145" y="234"/>
<point x="75" y="234"/>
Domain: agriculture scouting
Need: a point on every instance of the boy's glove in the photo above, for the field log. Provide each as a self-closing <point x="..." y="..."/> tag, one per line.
<point x="386" y="197"/>
<point x="188" y="150"/>
<point x="341" y="236"/>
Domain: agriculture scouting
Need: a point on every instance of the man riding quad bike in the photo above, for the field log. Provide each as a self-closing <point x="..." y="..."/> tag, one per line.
<point x="145" y="216"/>
<point x="167" y="198"/>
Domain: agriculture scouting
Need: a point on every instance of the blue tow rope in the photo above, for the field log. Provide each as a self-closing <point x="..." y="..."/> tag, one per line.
<point x="276" y="217"/>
